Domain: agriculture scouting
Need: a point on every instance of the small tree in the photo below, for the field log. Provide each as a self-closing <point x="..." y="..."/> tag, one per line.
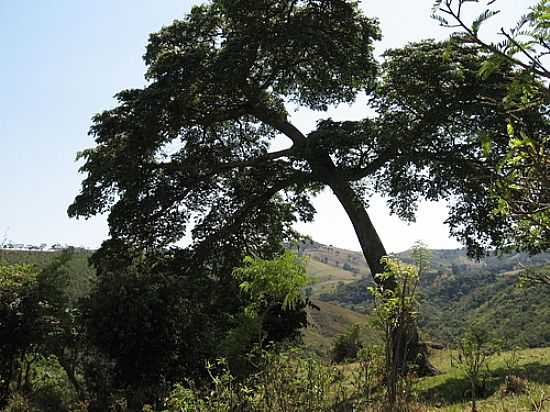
<point x="347" y="345"/>
<point x="474" y="350"/>
<point x="396" y="311"/>
<point x="274" y="290"/>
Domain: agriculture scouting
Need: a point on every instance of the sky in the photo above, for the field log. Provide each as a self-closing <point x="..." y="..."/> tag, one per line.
<point x="63" y="60"/>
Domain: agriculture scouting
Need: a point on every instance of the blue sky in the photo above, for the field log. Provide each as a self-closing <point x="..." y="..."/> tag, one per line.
<point x="63" y="60"/>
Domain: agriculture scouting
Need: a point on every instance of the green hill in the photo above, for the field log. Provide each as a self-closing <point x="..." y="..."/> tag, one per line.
<point x="82" y="274"/>
<point x="458" y="291"/>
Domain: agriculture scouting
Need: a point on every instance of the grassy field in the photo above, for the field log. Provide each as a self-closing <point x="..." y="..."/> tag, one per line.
<point x="448" y="390"/>
<point x="325" y="277"/>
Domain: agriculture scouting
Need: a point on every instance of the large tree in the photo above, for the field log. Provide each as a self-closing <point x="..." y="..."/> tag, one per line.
<point x="194" y="143"/>
<point x="193" y="146"/>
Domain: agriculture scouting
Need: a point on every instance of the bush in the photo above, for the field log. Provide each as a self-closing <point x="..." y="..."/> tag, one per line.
<point x="347" y="345"/>
<point x="18" y="402"/>
<point x="286" y="381"/>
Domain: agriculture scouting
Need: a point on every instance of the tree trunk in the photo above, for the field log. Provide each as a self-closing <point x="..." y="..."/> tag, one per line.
<point x="371" y="245"/>
<point x="373" y="251"/>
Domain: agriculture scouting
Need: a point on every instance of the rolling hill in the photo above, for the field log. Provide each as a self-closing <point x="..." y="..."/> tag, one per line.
<point x="457" y="292"/>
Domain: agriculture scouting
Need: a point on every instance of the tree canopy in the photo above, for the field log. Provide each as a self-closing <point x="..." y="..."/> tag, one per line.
<point x="192" y="148"/>
<point x="523" y="174"/>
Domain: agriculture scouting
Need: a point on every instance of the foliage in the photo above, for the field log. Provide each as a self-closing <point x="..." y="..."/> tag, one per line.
<point x="448" y="123"/>
<point x="39" y="327"/>
<point x="219" y="127"/>
<point x="395" y="311"/>
<point x="535" y="276"/>
<point x="193" y="147"/>
<point x="19" y="321"/>
<point x="286" y="381"/>
<point x="457" y="291"/>
<point x="473" y="351"/>
<point x="523" y="173"/>
<point x="82" y="275"/>
<point x="347" y="345"/>
<point x="280" y="280"/>
<point x="149" y="322"/>
<point x="19" y="403"/>
<point x="274" y="311"/>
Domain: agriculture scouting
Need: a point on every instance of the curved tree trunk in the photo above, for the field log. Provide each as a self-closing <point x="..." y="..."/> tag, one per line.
<point x="371" y="245"/>
<point x="373" y="250"/>
<point x="325" y="171"/>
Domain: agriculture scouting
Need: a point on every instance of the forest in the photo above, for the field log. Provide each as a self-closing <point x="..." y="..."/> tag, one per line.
<point x="206" y="298"/>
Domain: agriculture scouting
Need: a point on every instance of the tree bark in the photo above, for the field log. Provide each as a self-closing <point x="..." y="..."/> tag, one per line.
<point x="371" y="245"/>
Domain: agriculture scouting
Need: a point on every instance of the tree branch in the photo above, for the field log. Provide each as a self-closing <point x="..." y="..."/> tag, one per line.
<point x="237" y="219"/>
<point x="279" y="122"/>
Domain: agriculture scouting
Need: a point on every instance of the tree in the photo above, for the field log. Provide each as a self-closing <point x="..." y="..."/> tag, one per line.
<point x="396" y="312"/>
<point x="474" y="349"/>
<point x="523" y="175"/>
<point x="19" y="322"/>
<point x="35" y="320"/>
<point x="274" y="309"/>
<point x="219" y="80"/>
<point x="193" y="146"/>
<point x="153" y="318"/>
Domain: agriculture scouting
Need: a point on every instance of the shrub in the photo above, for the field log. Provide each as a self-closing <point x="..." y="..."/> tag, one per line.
<point x="286" y="381"/>
<point x="18" y="402"/>
<point x="474" y="350"/>
<point x="347" y="345"/>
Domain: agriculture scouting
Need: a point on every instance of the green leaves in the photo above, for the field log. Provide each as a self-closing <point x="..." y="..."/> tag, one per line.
<point x="277" y="280"/>
<point x="482" y="18"/>
<point x="486" y="143"/>
<point x="391" y="304"/>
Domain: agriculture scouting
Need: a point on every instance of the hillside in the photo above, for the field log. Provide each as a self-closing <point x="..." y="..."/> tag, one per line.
<point x="82" y="274"/>
<point x="329" y="321"/>
<point x="456" y="292"/>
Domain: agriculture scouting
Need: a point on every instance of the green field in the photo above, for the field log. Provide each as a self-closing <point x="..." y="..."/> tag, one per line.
<point x="448" y="390"/>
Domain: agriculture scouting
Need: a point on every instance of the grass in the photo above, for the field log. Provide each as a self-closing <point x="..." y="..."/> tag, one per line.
<point x="449" y="390"/>
<point x="328" y="322"/>
<point x="325" y="277"/>
<point x="321" y="272"/>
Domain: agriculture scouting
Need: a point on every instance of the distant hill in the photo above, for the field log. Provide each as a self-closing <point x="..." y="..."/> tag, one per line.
<point x="456" y="292"/>
<point x="82" y="274"/>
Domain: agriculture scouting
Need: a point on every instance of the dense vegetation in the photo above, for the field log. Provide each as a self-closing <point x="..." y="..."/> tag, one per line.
<point x="460" y="293"/>
<point x="146" y="324"/>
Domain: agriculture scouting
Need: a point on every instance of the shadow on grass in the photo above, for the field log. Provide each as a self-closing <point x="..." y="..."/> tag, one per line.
<point x="457" y="389"/>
